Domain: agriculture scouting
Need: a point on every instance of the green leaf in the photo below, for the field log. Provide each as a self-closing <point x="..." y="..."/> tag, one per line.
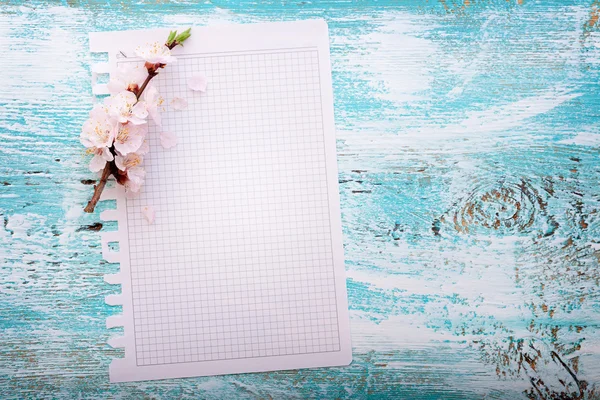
<point x="179" y="39"/>
<point x="171" y="37"/>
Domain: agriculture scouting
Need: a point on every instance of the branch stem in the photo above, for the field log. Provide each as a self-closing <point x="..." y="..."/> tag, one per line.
<point x="106" y="172"/>
<point x="98" y="189"/>
<point x="111" y="168"/>
<point x="151" y="74"/>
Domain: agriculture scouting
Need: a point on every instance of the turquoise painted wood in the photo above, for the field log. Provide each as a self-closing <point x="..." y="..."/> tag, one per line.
<point x="468" y="147"/>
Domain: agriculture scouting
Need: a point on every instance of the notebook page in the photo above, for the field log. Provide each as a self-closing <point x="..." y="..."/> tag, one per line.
<point x="242" y="270"/>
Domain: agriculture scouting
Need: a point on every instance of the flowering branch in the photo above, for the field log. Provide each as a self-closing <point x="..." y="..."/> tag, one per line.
<point x="151" y="74"/>
<point x="116" y="131"/>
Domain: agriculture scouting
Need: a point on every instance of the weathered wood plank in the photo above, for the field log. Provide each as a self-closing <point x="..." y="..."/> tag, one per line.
<point x="468" y="138"/>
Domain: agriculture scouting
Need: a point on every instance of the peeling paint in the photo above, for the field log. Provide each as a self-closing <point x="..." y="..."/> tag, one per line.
<point x="468" y="139"/>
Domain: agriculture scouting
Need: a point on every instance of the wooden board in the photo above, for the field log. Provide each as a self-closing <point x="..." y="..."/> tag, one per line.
<point x="468" y="145"/>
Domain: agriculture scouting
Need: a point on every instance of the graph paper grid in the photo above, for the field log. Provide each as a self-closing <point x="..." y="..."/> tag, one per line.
<point x="238" y="263"/>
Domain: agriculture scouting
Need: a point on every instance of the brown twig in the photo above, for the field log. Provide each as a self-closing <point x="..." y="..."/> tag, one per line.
<point x="151" y="74"/>
<point x="109" y="167"/>
<point x="98" y="190"/>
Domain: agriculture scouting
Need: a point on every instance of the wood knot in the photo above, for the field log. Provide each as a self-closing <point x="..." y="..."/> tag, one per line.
<point x="501" y="206"/>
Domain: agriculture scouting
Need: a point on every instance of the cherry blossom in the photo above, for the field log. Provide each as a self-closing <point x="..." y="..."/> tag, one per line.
<point x="155" y="53"/>
<point x="125" y="107"/>
<point x="198" y="82"/>
<point x="99" y="130"/>
<point x="135" y="179"/>
<point x="115" y="133"/>
<point x="127" y="77"/>
<point x="129" y="138"/>
<point x="131" y="160"/>
<point x="101" y="156"/>
<point x="168" y="140"/>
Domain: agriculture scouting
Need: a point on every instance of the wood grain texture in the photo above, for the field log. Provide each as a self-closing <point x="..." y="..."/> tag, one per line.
<point x="468" y="148"/>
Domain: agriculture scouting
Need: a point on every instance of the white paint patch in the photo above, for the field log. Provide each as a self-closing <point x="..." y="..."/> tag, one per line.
<point x="422" y="345"/>
<point x="511" y="115"/>
<point x="19" y="224"/>
<point x="39" y="49"/>
<point x="395" y="61"/>
<point x="478" y="132"/>
<point x="73" y="206"/>
<point x="216" y="16"/>
<point x="587" y="138"/>
<point x="23" y="243"/>
<point x="210" y="384"/>
<point x="73" y="213"/>
<point x="468" y="68"/>
<point x="481" y="279"/>
<point x="396" y="332"/>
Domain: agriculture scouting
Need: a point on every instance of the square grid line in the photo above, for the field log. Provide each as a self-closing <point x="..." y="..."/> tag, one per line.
<point x="239" y="262"/>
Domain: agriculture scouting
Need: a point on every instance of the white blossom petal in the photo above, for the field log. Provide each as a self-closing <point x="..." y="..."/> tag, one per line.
<point x="153" y="102"/>
<point x="83" y="138"/>
<point x="99" y="130"/>
<point x="106" y="154"/>
<point x="144" y="148"/>
<point x="155" y="115"/>
<point x="129" y="194"/>
<point x="129" y="138"/>
<point x="115" y="87"/>
<point x="97" y="163"/>
<point x="127" y="77"/>
<point x="168" y="140"/>
<point x="155" y="53"/>
<point x="135" y="179"/>
<point x="151" y="94"/>
<point x="198" y="82"/>
<point x="128" y="162"/>
<point x="139" y="113"/>
<point x="179" y="104"/>
<point x="120" y="105"/>
<point x="120" y="162"/>
<point x="149" y="213"/>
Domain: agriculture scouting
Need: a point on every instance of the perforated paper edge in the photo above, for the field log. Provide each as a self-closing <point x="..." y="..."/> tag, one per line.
<point x="101" y="43"/>
<point x="122" y="278"/>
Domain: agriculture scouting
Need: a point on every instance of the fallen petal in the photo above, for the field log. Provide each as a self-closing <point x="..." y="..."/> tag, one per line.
<point x="168" y="139"/>
<point x="179" y="104"/>
<point x="198" y="82"/>
<point x="149" y="213"/>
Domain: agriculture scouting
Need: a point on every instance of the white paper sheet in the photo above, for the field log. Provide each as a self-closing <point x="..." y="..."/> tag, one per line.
<point x="242" y="270"/>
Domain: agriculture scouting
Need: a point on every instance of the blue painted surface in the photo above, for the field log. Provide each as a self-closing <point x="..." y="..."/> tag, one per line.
<point x="468" y="139"/>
